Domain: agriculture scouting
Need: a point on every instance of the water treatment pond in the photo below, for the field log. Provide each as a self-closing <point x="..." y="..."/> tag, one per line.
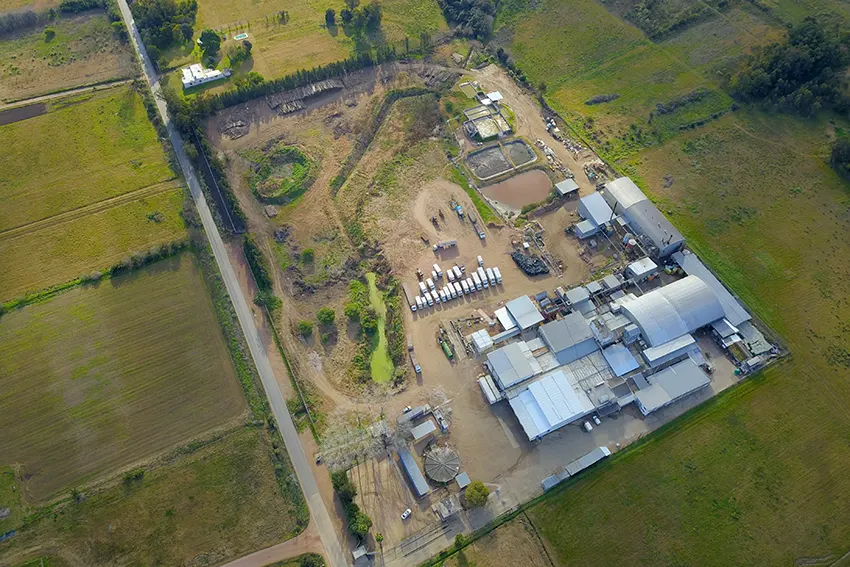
<point x="520" y="190"/>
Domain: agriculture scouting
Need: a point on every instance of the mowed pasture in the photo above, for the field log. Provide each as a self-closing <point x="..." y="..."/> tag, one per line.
<point x="102" y="376"/>
<point x="201" y="506"/>
<point x="83" y="150"/>
<point x="81" y="242"/>
<point x="303" y="41"/>
<point x="84" y="51"/>
<point x="758" y="475"/>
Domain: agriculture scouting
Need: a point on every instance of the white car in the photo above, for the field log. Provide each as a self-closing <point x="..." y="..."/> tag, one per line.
<point x="406" y="514"/>
<point x="596" y="420"/>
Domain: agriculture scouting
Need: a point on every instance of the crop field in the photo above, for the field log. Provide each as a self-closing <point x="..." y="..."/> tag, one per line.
<point x="83" y="51"/>
<point x="304" y="41"/>
<point x="203" y="505"/>
<point x="64" y="214"/>
<point x="66" y="249"/>
<point x="38" y="5"/>
<point x="115" y="151"/>
<point x="101" y="376"/>
<point x="749" y="477"/>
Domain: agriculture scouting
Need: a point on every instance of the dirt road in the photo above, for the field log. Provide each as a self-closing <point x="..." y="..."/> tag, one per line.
<point x="307" y="541"/>
<point x="60" y="94"/>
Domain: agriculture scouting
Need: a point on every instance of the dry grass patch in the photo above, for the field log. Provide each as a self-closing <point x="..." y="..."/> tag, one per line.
<point x="503" y="547"/>
<point x="100" y="377"/>
<point x="84" y="51"/>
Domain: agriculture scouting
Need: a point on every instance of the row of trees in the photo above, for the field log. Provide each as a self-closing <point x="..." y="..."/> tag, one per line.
<point x="358" y="522"/>
<point x="367" y="18"/>
<point x="802" y="74"/>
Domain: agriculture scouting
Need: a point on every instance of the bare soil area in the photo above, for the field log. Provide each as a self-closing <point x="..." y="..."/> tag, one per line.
<point x="503" y="546"/>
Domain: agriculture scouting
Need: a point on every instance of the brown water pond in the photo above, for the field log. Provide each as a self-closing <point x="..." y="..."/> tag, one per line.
<point x="520" y="190"/>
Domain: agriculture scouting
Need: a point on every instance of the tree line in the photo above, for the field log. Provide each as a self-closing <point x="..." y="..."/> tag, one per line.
<point x="471" y="18"/>
<point x="164" y="23"/>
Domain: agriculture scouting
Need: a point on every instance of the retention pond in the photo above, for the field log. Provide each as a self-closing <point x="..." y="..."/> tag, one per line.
<point x="520" y="190"/>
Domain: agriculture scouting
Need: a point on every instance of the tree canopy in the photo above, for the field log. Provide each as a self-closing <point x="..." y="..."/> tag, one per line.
<point x="476" y="494"/>
<point x="210" y="42"/>
<point x="163" y="23"/>
<point x="473" y="18"/>
<point x="802" y="74"/>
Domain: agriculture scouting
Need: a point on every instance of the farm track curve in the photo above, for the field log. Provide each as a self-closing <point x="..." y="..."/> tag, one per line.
<point x="86" y="210"/>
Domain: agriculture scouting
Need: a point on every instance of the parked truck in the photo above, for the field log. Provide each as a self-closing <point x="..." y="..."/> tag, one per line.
<point x="418" y="302"/>
<point x="471" y="285"/>
<point x="430" y="283"/>
<point x="458" y="289"/>
<point x="429" y="299"/>
<point x="491" y="277"/>
<point x="444" y="245"/>
<point x="438" y="270"/>
<point x="422" y="288"/>
<point x="498" y="275"/>
<point x="416" y="367"/>
<point x="476" y="226"/>
<point x="410" y="298"/>
<point x="458" y="273"/>
<point x="482" y="275"/>
<point x="476" y="280"/>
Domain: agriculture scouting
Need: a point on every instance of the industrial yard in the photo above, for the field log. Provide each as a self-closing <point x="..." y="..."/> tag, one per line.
<point x="535" y="346"/>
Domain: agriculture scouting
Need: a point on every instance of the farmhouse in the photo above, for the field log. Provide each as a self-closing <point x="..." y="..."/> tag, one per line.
<point x="195" y="75"/>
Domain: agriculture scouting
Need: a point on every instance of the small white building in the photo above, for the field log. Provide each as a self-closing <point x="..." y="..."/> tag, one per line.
<point x="195" y="75"/>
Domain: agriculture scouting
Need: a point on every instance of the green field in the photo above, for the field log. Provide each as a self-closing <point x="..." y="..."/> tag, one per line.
<point x="84" y="150"/>
<point x="102" y="376"/>
<point x="201" y="506"/>
<point x="84" y="51"/>
<point x="302" y="42"/>
<point x="66" y="249"/>
<point x="758" y="475"/>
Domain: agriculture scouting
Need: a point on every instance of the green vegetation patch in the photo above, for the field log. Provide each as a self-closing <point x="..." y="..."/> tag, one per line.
<point x="84" y="150"/>
<point x="486" y="213"/>
<point x="209" y="500"/>
<point x="11" y="501"/>
<point x="104" y="375"/>
<point x="281" y="174"/>
<point x="380" y="362"/>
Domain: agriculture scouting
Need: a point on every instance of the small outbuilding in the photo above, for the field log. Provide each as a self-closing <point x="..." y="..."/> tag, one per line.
<point x="567" y="187"/>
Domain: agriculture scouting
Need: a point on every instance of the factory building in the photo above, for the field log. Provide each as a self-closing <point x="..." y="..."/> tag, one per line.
<point x="550" y="403"/>
<point x="671" y="384"/>
<point x="626" y="199"/>
<point x="596" y="214"/>
<point x="569" y="338"/>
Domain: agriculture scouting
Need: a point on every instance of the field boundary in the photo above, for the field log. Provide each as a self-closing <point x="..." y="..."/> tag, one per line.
<point x="85" y="210"/>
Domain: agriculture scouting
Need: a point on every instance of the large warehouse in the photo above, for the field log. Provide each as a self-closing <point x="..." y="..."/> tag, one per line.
<point x="626" y="198"/>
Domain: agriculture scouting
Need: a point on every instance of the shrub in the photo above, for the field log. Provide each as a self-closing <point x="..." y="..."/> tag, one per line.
<point x="257" y="262"/>
<point x="369" y="320"/>
<point x="305" y="328"/>
<point x="210" y="42"/>
<point x="460" y="541"/>
<point x="476" y="494"/>
<point x="49" y="33"/>
<point x="307" y="255"/>
<point x="839" y="158"/>
<point x="352" y="310"/>
<point x="268" y="300"/>
<point x="330" y="17"/>
<point x="326" y="316"/>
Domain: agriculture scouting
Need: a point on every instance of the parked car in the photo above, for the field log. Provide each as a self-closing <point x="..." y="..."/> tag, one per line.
<point x="587" y="426"/>
<point x="596" y="420"/>
<point x="406" y="514"/>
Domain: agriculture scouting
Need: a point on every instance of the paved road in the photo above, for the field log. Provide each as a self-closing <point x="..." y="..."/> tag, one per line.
<point x="318" y="511"/>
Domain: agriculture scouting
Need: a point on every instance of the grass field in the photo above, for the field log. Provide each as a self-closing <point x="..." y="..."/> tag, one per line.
<point x="202" y="507"/>
<point x="84" y="150"/>
<point x="380" y="363"/>
<point x="755" y="477"/>
<point x="102" y="376"/>
<point x="10" y="497"/>
<point x="303" y="42"/>
<point x="84" y="51"/>
<point x="66" y="249"/>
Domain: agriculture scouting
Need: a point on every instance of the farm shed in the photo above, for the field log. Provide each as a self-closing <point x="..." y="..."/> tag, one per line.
<point x="566" y="187"/>
<point x="569" y="338"/>
<point x="524" y="312"/>
<point x="423" y="430"/>
<point x="408" y="462"/>
<point x="668" y="312"/>
<point x="669" y="385"/>
<point x="549" y="403"/>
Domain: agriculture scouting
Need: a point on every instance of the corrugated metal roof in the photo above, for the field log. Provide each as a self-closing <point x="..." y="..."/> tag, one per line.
<point x="677" y="309"/>
<point x="594" y="208"/>
<point x="648" y="220"/>
<point x="587" y="460"/>
<point x="586" y="229"/>
<point x="509" y="365"/>
<point x="577" y="295"/>
<point x="656" y="356"/>
<point x="624" y="192"/>
<point x="423" y="430"/>
<point x="620" y="359"/>
<point x="693" y="266"/>
<point x="566" y="186"/>
<point x="670" y="384"/>
<point x="505" y="318"/>
<point x="642" y="267"/>
<point x="549" y="403"/>
<point x="569" y="338"/>
<point x="524" y="312"/>
<point x="417" y="479"/>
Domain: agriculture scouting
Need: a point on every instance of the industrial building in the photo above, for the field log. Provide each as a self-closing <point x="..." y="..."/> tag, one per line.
<point x="414" y="473"/>
<point x="567" y="187"/>
<point x="596" y="214"/>
<point x="569" y="338"/>
<point x="548" y="404"/>
<point x="642" y="217"/>
<point x="671" y="384"/>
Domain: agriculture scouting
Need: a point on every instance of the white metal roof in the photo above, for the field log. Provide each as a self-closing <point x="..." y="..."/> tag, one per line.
<point x="566" y="186"/>
<point x="549" y="403"/>
<point x="423" y="430"/>
<point x="586" y="460"/>
<point x="642" y="267"/>
<point x="495" y="96"/>
<point x="510" y="365"/>
<point x="677" y="309"/>
<point x="569" y="338"/>
<point x="596" y="209"/>
<point x="620" y="359"/>
<point x="577" y="295"/>
<point x="691" y="264"/>
<point x="670" y="384"/>
<point x="481" y="340"/>
<point x="524" y="312"/>
<point x="624" y="192"/>
<point x="504" y="318"/>
<point x="662" y="353"/>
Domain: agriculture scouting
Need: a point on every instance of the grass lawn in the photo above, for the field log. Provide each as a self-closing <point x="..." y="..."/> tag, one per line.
<point x="201" y="506"/>
<point x="756" y="476"/>
<point x="66" y="249"/>
<point x="84" y="150"/>
<point x="83" y="51"/>
<point x="102" y="376"/>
